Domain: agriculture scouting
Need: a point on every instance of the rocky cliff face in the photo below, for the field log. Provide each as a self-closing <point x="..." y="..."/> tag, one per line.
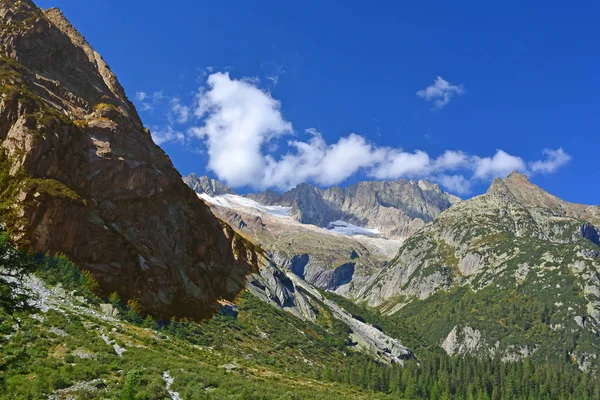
<point x="396" y="209"/>
<point x="86" y="179"/>
<point x="517" y="270"/>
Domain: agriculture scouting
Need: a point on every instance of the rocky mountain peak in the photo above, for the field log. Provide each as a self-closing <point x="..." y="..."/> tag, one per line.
<point x="91" y="183"/>
<point x="517" y="187"/>
<point x="517" y="176"/>
<point x="204" y="184"/>
<point x="499" y="189"/>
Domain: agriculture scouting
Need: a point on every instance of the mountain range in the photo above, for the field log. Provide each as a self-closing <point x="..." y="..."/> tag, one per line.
<point x="375" y="290"/>
<point x="517" y="249"/>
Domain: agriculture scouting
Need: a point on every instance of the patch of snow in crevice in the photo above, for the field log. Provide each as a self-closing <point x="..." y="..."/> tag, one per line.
<point x="234" y="201"/>
<point x="348" y="229"/>
<point x="169" y="381"/>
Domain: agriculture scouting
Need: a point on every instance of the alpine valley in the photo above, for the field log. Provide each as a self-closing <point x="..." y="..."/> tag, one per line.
<point x="120" y="279"/>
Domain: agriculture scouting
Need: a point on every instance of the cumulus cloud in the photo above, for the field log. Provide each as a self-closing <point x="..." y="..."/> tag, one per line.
<point x="500" y="164"/>
<point x="249" y="143"/>
<point x="457" y="184"/>
<point x="554" y="160"/>
<point x="239" y="119"/>
<point x="440" y="92"/>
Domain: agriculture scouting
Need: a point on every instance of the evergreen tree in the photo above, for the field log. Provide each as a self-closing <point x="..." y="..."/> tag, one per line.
<point x="14" y="268"/>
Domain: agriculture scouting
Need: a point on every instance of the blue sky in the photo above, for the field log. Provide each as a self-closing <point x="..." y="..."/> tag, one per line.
<point x="517" y="76"/>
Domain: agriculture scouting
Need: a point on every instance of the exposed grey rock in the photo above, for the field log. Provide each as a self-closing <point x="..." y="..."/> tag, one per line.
<point x="109" y="309"/>
<point x="470" y="264"/>
<point x="516" y="238"/>
<point x="341" y="263"/>
<point x="395" y="208"/>
<point x="229" y="367"/>
<point x="83" y="354"/>
<point x="462" y="340"/>
<point x="368" y="337"/>
<point x="204" y="184"/>
<point x="590" y="253"/>
<point x="515" y="353"/>
<point x="118" y="349"/>
<point x="275" y="287"/>
<point x="77" y="388"/>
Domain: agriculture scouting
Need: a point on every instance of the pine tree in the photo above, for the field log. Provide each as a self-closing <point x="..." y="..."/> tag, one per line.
<point x="14" y="268"/>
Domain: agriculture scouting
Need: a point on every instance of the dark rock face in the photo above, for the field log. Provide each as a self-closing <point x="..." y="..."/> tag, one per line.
<point x="98" y="188"/>
<point x="343" y="274"/>
<point x="298" y="264"/>
<point x="589" y="232"/>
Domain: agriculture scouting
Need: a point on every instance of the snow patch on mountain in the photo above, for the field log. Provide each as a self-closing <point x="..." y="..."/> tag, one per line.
<point x="233" y="201"/>
<point x="348" y="229"/>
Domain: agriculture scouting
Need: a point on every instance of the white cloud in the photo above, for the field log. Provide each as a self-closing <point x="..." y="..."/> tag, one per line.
<point x="398" y="163"/>
<point x="239" y="119"/>
<point x="440" y="92"/>
<point x="451" y="160"/>
<point x="554" y="160"/>
<point x="454" y="183"/>
<point x="501" y="164"/>
<point x="245" y="135"/>
<point x="141" y="96"/>
<point x="167" y="134"/>
<point x="180" y="112"/>
<point x="319" y="162"/>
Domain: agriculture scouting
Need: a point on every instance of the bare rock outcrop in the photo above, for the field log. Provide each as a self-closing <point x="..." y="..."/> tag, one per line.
<point x="91" y="182"/>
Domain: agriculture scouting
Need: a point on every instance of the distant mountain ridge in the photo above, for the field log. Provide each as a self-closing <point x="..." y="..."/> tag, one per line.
<point x="396" y="209"/>
<point x="204" y="184"/>
<point x="336" y="239"/>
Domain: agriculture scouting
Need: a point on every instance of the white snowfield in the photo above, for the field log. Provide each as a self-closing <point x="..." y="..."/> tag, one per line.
<point x="235" y="202"/>
<point x="240" y="203"/>
<point x="281" y="218"/>
<point x="346" y="228"/>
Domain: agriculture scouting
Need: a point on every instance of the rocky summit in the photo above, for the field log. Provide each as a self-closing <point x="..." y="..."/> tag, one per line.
<point x="515" y="269"/>
<point x="93" y="185"/>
